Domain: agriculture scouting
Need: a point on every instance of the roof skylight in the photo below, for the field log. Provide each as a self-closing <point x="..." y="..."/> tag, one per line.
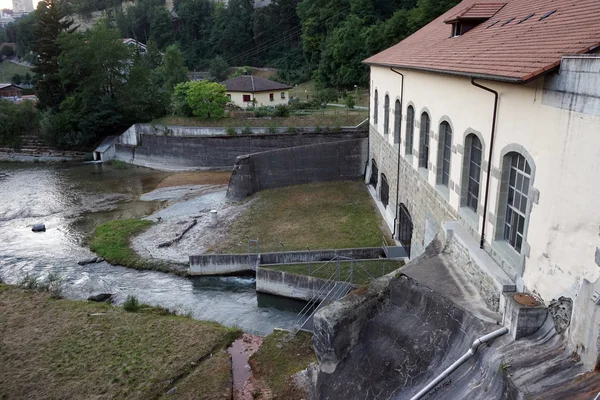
<point x="525" y="19"/>
<point x="509" y="21"/>
<point x="547" y="15"/>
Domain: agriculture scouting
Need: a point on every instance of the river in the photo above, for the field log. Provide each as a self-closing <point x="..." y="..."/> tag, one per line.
<point x="71" y="200"/>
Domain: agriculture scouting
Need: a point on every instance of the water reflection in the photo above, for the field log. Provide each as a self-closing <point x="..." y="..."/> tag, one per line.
<point x="71" y="201"/>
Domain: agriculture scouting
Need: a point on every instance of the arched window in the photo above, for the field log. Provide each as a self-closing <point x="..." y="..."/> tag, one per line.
<point x="517" y="190"/>
<point x="444" y="153"/>
<point x="472" y="173"/>
<point x="384" y="191"/>
<point x="410" y="129"/>
<point x="386" y="115"/>
<point x="397" y="121"/>
<point x="375" y="107"/>
<point x="374" y="174"/>
<point x="424" y="141"/>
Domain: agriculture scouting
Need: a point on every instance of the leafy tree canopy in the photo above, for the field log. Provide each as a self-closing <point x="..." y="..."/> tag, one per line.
<point x="205" y="99"/>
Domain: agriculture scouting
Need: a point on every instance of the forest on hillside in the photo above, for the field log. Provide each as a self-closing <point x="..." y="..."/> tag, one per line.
<point x="324" y="40"/>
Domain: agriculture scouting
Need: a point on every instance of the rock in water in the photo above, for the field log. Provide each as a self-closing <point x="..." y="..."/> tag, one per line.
<point x="39" y="228"/>
<point x="101" y="298"/>
<point x="88" y="261"/>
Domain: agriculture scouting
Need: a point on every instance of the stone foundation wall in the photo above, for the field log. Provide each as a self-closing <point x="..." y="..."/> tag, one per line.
<point x="427" y="208"/>
<point x="324" y="162"/>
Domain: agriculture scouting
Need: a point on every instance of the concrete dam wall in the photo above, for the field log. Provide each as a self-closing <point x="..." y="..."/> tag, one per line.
<point x="179" y="153"/>
<point x="323" y="162"/>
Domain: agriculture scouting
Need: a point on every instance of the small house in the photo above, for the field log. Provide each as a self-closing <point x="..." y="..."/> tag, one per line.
<point x="10" y="91"/>
<point x="247" y="90"/>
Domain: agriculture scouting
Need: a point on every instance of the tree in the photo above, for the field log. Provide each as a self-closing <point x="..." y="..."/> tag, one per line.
<point x="160" y="26"/>
<point x="51" y="24"/>
<point x="173" y="69"/>
<point x="218" y="68"/>
<point x="7" y="51"/>
<point x="16" y="79"/>
<point x="17" y="120"/>
<point x="205" y="99"/>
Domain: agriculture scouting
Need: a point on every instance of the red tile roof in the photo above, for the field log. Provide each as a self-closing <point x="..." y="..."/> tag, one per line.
<point x="478" y="11"/>
<point x="514" y="52"/>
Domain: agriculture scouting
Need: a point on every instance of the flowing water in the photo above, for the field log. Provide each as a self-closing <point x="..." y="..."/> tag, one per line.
<point x="71" y="201"/>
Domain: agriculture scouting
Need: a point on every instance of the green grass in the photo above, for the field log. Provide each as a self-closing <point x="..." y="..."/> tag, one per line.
<point x="362" y="274"/>
<point x="111" y="241"/>
<point x="332" y="117"/>
<point x="9" y="69"/>
<point x="58" y="348"/>
<point x="331" y="215"/>
<point x="118" y="164"/>
<point x="280" y="357"/>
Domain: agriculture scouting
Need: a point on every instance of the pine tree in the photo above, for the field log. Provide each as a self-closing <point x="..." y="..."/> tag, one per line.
<point x="51" y="24"/>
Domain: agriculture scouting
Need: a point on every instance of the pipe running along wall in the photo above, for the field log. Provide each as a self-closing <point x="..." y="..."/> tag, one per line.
<point x="470" y="353"/>
<point x="489" y="169"/>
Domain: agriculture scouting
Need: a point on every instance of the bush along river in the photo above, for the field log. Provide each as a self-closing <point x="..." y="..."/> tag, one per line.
<point x="71" y="200"/>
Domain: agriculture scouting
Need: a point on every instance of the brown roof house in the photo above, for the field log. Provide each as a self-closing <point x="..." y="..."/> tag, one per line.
<point x="485" y="132"/>
<point x="247" y="90"/>
<point x="10" y="91"/>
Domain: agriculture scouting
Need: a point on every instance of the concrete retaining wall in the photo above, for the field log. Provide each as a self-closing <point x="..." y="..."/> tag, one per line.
<point x="335" y="161"/>
<point x="222" y="264"/>
<point x="291" y="285"/>
<point x="177" y="153"/>
<point x="170" y="130"/>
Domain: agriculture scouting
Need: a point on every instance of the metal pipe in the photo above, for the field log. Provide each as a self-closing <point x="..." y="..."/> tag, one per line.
<point x="399" y="147"/>
<point x="470" y="353"/>
<point x="489" y="171"/>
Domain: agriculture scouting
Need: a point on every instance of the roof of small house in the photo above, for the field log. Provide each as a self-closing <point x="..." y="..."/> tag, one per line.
<point x="7" y="85"/>
<point x="252" y="84"/>
<point x="515" y="41"/>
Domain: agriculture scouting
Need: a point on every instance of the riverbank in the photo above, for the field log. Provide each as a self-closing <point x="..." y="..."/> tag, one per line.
<point x="55" y="348"/>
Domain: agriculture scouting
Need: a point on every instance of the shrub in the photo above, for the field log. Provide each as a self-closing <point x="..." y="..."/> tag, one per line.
<point x="272" y="128"/>
<point x="263" y="111"/>
<point x="52" y="285"/>
<point x="118" y="164"/>
<point x="246" y="130"/>
<point x="131" y="304"/>
<point x="231" y="131"/>
<point x="281" y="111"/>
<point x="292" y="129"/>
<point x="350" y="101"/>
<point x="29" y="282"/>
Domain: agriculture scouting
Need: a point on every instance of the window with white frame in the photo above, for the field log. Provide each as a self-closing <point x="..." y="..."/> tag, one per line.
<point x="410" y="129"/>
<point x="386" y="115"/>
<point x="517" y="199"/>
<point x="375" y="107"/>
<point x="444" y="153"/>
<point x="424" y="141"/>
<point x="474" y="158"/>
<point x="397" y="121"/>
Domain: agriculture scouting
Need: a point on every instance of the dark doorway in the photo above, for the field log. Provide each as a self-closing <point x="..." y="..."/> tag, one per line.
<point x="384" y="191"/>
<point x="374" y="174"/>
<point x="405" y="228"/>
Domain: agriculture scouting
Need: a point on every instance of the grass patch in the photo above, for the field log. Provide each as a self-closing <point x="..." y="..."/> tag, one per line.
<point x="118" y="164"/>
<point x="196" y="178"/>
<point x="333" y="117"/>
<point x="361" y="274"/>
<point x="331" y="215"/>
<point x="9" y="69"/>
<point x="55" y="348"/>
<point x="111" y="241"/>
<point x="280" y="357"/>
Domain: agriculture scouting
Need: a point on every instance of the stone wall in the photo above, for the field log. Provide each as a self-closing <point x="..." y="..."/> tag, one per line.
<point x="212" y="152"/>
<point x="324" y="162"/>
<point x="172" y="130"/>
<point x="427" y="207"/>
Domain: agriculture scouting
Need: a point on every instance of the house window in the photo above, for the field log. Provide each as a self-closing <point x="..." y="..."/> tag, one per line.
<point x="247" y="98"/>
<point x="282" y="95"/>
<point x="397" y="121"/>
<point x="410" y="128"/>
<point x="386" y="115"/>
<point x="375" y="107"/>
<point x="229" y="96"/>
<point x="473" y="165"/>
<point x="517" y="199"/>
<point x="424" y="141"/>
<point x="384" y="191"/>
<point x="271" y="96"/>
<point x="374" y="173"/>
<point x="444" y="153"/>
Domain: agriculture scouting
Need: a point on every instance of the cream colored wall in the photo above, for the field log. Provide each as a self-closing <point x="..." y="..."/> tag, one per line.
<point x="262" y="98"/>
<point x="565" y="146"/>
